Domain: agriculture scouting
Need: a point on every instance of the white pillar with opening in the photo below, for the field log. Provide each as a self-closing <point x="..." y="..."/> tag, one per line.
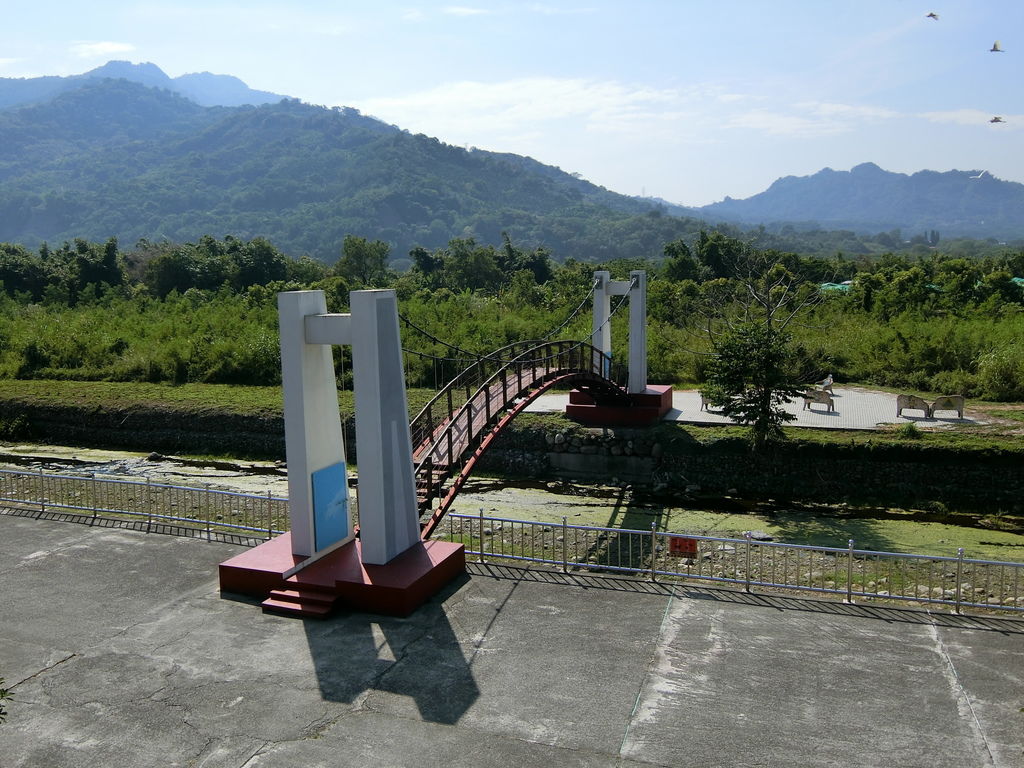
<point x="317" y="474"/>
<point x="601" y="338"/>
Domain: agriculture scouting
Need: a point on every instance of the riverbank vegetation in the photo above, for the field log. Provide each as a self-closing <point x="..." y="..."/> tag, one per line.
<point x="205" y="312"/>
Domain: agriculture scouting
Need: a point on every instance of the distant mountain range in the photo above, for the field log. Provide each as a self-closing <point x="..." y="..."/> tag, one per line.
<point x="203" y="88"/>
<point x="126" y="151"/>
<point x="868" y="199"/>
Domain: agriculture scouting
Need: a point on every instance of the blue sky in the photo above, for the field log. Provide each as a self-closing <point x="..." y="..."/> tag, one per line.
<point x="685" y="100"/>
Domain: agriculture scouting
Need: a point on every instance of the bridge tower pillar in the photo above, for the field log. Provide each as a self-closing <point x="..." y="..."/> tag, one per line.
<point x="637" y="332"/>
<point x="601" y="338"/>
<point x="647" y="403"/>
<point x="388" y="569"/>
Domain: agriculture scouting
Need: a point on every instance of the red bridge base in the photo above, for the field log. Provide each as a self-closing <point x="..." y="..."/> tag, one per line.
<point x="341" y="579"/>
<point x="646" y="408"/>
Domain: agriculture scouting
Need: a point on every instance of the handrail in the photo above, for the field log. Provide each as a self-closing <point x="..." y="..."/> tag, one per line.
<point x="441" y="448"/>
<point x="462" y="382"/>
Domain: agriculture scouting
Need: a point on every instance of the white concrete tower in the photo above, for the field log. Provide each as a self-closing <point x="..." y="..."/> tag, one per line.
<point x="317" y="482"/>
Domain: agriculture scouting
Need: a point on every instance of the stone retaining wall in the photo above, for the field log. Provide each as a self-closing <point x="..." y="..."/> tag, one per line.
<point x="662" y="461"/>
<point x="663" y="458"/>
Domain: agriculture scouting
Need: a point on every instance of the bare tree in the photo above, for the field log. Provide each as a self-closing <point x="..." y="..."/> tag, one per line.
<point x="747" y="318"/>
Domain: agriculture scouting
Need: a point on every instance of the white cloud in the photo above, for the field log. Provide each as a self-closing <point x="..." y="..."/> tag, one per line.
<point x="8" y="62"/>
<point x="811" y="119"/>
<point x="89" y="50"/>
<point x="463" y="10"/>
<point x="972" y="117"/>
<point x="848" y="112"/>
<point x="516" y="104"/>
<point x="551" y="10"/>
<point x="780" y="124"/>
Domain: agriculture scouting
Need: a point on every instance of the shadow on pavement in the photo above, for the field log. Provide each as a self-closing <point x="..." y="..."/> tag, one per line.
<point x="419" y="657"/>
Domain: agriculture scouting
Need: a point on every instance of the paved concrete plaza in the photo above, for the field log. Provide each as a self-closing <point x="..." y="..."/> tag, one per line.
<point x="855" y="408"/>
<point x="122" y="653"/>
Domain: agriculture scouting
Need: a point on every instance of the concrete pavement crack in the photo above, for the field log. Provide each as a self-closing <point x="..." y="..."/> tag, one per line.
<point x="257" y="753"/>
<point x="44" y="669"/>
<point x="956" y="685"/>
<point x="648" y="671"/>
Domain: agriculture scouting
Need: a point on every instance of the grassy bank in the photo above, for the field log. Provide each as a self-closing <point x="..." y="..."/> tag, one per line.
<point x="1002" y="433"/>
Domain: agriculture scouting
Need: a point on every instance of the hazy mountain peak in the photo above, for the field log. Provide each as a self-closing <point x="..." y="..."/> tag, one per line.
<point x="210" y="90"/>
<point x="870" y="199"/>
<point x="145" y="72"/>
<point x="204" y="88"/>
<point x="869" y="168"/>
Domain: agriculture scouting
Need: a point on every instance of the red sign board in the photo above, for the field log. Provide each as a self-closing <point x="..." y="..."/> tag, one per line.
<point x="682" y="547"/>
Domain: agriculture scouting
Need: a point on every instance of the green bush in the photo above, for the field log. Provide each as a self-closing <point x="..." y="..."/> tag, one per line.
<point x="958" y="382"/>
<point x="1001" y="373"/>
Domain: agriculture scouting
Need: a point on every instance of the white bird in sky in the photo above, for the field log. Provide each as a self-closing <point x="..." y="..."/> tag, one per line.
<point x="979" y="175"/>
<point x="995" y="48"/>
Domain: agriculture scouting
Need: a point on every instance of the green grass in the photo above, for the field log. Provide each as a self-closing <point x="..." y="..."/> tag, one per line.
<point x="182" y="397"/>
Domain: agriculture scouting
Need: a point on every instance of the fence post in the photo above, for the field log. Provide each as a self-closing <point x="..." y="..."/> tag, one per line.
<point x="92" y="494"/>
<point x="149" y="504"/>
<point x="42" y="493"/>
<point x="565" y="545"/>
<point x="205" y="497"/>
<point x="849" y="571"/>
<point x="480" y="554"/>
<point x="654" y="552"/>
<point x="959" y="577"/>
<point x="746" y="575"/>
<point x="270" y="517"/>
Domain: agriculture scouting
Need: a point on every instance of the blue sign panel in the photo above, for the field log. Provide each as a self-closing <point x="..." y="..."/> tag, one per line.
<point x="331" y="522"/>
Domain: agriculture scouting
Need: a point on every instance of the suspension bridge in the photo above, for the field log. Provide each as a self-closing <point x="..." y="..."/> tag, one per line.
<point x="411" y="473"/>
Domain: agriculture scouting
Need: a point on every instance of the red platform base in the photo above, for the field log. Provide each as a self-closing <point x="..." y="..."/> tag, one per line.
<point x="646" y="408"/>
<point x="341" y="578"/>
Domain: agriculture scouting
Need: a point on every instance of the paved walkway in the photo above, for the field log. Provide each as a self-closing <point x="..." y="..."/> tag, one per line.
<point x="855" y="408"/>
<point x="122" y="652"/>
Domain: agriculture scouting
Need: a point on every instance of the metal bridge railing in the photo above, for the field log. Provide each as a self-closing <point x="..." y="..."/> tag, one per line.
<point x="453" y="424"/>
<point x="215" y="512"/>
<point x="958" y="582"/>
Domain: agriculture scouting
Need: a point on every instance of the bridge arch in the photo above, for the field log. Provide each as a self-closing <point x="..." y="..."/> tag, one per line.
<point x="479" y="403"/>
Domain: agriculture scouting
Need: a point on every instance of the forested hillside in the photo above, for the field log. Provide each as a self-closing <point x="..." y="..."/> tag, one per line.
<point x="115" y="158"/>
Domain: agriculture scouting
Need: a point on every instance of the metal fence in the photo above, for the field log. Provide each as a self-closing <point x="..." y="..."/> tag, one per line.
<point x="852" y="573"/>
<point x="213" y="511"/>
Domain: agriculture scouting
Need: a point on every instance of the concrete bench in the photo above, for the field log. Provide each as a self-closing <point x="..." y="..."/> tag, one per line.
<point x="949" y="403"/>
<point x="913" y="403"/>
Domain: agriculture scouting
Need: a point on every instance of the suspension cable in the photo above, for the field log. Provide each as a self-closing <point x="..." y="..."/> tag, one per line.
<point x="575" y="312"/>
<point x="477" y="358"/>
<point x="489" y="357"/>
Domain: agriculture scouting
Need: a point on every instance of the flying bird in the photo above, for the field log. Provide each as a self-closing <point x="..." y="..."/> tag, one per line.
<point x="995" y="48"/>
<point x="997" y="119"/>
<point x="979" y="175"/>
<point x="932" y="16"/>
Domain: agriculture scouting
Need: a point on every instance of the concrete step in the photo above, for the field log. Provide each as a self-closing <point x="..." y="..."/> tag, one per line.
<point x="302" y="603"/>
<point x="304" y="595"/>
